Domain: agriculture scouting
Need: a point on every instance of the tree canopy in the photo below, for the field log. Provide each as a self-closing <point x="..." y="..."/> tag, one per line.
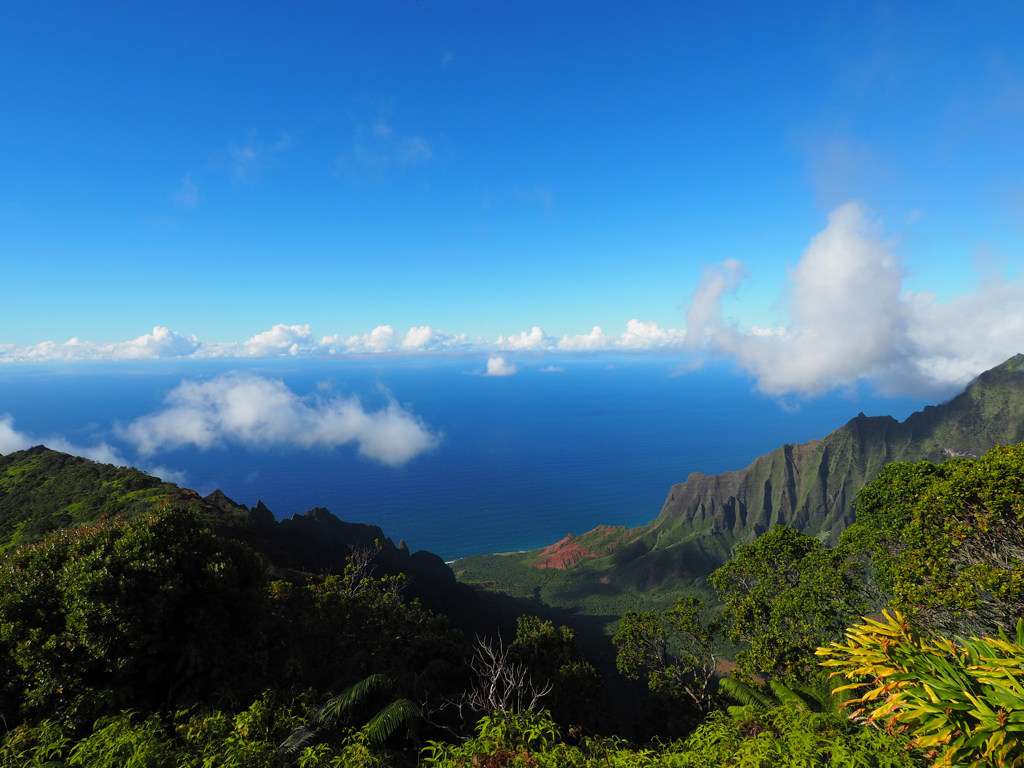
<point x="784" y="595"/>
<point x="947" y="540"/>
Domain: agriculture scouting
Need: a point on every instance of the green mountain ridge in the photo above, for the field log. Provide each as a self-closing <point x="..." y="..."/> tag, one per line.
<point x="43" y="490"/>
<point x="810" y="486"/>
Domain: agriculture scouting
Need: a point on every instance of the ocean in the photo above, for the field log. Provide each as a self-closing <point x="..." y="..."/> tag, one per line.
<point x="559" y="447"/>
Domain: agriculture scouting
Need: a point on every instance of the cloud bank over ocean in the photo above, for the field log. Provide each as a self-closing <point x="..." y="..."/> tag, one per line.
<point x="848" y="319"/>
<point x="284" y="340"/>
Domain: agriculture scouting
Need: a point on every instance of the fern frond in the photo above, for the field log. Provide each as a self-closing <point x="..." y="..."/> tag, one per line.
<point x="747" y="695"/>
<point x="298" y="739"/>
<point x="786" y="695"/>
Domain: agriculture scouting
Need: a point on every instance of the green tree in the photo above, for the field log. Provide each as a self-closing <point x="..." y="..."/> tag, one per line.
<point x="328" y="633"/>
<point x="551" y="654"/>
<point x="152" y="612"/>
<point x="947" y="540"/>
<point x="785" y="595"/>
<point x="673" y="651"/>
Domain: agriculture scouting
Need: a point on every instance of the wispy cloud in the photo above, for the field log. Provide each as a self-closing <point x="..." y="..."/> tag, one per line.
<point x="259" y="412"/>
<point x="187" y="195"/>
<point x="245" y="160"/>
<point x="850" y="320"/>
<point x="414" y="149"/>
<point x="378" y="147"/>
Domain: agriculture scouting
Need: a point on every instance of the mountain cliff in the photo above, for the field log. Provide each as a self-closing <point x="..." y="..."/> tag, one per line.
<point x="810" y="486"/>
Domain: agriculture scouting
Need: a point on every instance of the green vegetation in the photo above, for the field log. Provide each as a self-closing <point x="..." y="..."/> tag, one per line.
<point x="152" y="640"/>
<point x="644" y="639"/>
<point x="143" y="626"/>
<point x="947" y="540"/>
<point x="962" y="699"/>
<point x="782" y="737"/>
<point x="43" y="491"/>
<point x="784" y="595"/>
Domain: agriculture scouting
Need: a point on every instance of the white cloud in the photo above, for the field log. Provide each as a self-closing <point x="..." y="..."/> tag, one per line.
<point x="499" y="366"/>
<point x="162" y="342"/>
<point x="384" y="340"/>
<point x="592" y="341"/>
<point x="12" y="440"/>
<point x="167" y="474"/>
<point x="280" y="340"/>
<point x="380" y="339"/>
<point x="101" y="452"/>
<point x="261" y="413"/>
<point x="418" y="337"/>
<point x="851" y="322"/>
<point x="297" y="340"/>
<point x="641" y="335"/>
<point x="535" y="339"/>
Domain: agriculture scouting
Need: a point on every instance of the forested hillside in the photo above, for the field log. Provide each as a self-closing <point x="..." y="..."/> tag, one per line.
<point x="147" y="638"/>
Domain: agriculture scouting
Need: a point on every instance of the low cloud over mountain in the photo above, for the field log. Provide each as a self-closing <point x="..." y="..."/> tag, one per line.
<point x="850" y="320"/>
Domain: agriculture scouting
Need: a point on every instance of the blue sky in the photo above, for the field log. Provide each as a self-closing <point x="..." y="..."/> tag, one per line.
<point x="838" y="186"/>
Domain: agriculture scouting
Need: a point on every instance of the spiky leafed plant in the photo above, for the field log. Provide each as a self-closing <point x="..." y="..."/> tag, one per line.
<point x="962" y="698"/>
<point x="338" y="711"/>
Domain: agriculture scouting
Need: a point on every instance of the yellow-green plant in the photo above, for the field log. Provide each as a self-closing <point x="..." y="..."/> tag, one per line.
<point x="962" y="698"/>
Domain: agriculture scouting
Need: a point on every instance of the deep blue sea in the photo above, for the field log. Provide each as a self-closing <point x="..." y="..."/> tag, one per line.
<point x="522" y="460"/>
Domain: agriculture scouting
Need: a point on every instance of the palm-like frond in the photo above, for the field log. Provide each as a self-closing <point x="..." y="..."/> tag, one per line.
<point x="324" y="721"/>
<point x="390" y="719"/>
<point x="333" y="709"/>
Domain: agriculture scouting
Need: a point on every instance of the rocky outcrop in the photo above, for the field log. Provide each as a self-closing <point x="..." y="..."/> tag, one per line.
<point x="563" y="554"/>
